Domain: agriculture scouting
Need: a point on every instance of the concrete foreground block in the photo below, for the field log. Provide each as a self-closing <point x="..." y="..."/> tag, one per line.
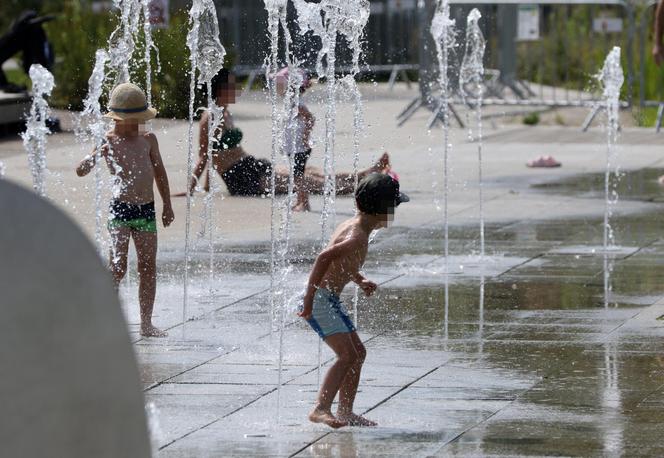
<point x="69" y="384"/>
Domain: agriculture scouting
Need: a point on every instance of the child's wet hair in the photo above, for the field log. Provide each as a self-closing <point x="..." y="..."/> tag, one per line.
<point x="222" y="80"/>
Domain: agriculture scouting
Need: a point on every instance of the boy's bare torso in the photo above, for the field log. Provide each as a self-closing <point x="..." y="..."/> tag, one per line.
<point x="343" y="271"/>
<point x="130" y="161"/>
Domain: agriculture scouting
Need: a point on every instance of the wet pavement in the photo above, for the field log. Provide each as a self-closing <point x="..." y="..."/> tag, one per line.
<point x="549" y="361"/>
<point x="550" y="366"/>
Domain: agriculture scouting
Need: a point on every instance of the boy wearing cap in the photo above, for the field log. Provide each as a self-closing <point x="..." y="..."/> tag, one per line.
<point x="338" y="264"/>
<point x="134" y="161"/>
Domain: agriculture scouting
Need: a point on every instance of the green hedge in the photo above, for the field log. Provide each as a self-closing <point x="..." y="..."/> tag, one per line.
<point x="78" y="33"/>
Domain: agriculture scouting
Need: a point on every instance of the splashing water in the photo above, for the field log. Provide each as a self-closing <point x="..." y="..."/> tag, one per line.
<point x="611" y="78"/>
<point x="91" y="117"/>
<point x="206" y="56"/>
<point x="2" y="169"/>
<point x="121" y="43"/>
<point x="353" y="28"/>
<point x="442" y="30"/>
<point x="276" y="11"/>
<point x="326" y="20"/>
<point x="210" y="61"/>
<point x="149" y="48"/>
<point x="471" y="79"/>
<point x="34" y="137"/>
<point x="284" y="121"/>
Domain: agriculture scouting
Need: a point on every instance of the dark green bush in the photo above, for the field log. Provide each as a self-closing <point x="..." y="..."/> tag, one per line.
<point x="531" y="119"/>
<point x="78" y="34"/>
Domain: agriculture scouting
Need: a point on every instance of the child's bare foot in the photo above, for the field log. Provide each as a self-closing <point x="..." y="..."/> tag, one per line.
<point x="325" y="416"/>
<point x="353" y="419"/>
<point x="148" y="330"/>
<point x="382" y="165"/>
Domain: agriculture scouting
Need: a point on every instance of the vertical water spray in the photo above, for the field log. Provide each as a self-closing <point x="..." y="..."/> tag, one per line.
<point x="326" y="20"/>
<point x="206" y="56"/>
<point x="121" y="43"/>
<point x="34" y="137"/>
<point x="323" y="20"/>
<point x="611" y="78"/>
<point x="210" y="61"/>
<point x="442" y="30"/>
<point x="149" y="47"/>
<point x="276" y="10"/>
<point x="471" y="81"/>
<point x="276" y="13"/>
<point x="92" y="118"/>
<point x="353" y="29"/>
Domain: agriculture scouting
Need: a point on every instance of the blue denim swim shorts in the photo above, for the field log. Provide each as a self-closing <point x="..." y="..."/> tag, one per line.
<point x="329" y="315"/>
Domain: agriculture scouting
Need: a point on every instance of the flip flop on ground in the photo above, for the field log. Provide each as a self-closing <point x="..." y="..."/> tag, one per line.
<point x="544" y="161"/>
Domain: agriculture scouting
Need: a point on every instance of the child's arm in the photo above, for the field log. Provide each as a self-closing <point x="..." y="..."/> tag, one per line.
<point x="88" y="163"/>
<point x="322" y="263"/>
<point x="366" y="285"/>
<point x="161" y="178"/>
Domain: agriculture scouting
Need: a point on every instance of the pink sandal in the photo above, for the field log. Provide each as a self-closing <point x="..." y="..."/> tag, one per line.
<point x="544" y="161"/>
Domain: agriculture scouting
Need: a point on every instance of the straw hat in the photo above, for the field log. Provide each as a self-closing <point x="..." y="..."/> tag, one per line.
<point x="128" y="102"/>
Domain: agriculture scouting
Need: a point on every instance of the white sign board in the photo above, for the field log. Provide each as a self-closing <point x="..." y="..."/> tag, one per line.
<point x="159" y="13"/>
<point x="528" y="19"/>
<point x="607" y="25"/>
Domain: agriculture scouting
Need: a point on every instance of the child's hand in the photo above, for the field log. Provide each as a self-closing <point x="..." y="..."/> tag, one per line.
<point x="167" y="215"/>
<point x="306" y="310"/>
<point x="368" y="286"/>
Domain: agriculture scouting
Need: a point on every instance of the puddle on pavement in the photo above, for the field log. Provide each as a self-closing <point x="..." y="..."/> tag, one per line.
<point x="632" y="185"/>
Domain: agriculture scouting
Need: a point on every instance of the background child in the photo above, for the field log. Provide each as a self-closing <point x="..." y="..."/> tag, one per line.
<point x="133" y="159"/>
<point x="297" y="134"/>
<point x="337" y="265"/>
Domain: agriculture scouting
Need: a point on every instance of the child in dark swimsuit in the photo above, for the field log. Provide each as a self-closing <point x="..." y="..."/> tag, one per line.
<point x="134" y="161"/>
<point x="297" y="134"/>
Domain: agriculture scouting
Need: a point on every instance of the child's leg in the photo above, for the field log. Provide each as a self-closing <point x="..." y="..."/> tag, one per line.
<point x="345" y="182"/>
<point x="343" y="347"/>
<point x="349" y="385"/>
<point x="118" y="256"/>
<point x="302" y="203"/>
<point x="146" y="252"/>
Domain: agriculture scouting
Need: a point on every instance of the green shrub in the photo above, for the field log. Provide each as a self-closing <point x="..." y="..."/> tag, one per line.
<point x="531" y="119"/>
<point x="77" y="38"/>
<point x="76" y="35"/>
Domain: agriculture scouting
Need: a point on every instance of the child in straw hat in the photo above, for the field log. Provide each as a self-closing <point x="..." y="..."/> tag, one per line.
<point x="133" y="158"/>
